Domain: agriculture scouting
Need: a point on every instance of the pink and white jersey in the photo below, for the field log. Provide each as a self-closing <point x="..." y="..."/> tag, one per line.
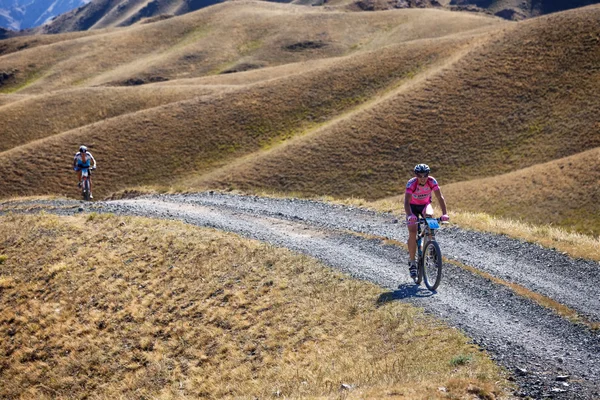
<point x="421" y="195"/>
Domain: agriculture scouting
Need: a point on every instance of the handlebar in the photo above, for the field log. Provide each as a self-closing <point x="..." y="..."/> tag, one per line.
<point x="419" y="220"/>
<point x="437" y="219"/>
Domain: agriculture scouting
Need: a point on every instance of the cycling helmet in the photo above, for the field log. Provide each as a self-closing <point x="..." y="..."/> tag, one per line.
<point x="82" y="149"/>
<point x="422" y="169"/>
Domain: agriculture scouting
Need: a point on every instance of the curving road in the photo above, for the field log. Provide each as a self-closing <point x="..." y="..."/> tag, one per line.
<point x="548" y="355"/>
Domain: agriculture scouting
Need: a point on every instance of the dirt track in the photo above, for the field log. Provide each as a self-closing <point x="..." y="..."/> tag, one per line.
<point x="533" y="342"/>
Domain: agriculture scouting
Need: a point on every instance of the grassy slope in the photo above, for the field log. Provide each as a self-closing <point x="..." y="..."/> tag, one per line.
<point x="204" y="133"/>
<point x="527" y="96"/>
<point x="13" y="45"/>
<point x="100" y="305"/>
<point x="565" y="192"/>
<point x="37" y="117"/>
<point x="218" y="38"/>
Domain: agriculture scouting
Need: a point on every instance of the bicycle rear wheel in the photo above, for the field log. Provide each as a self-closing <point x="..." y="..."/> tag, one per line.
<point x="432" y="265"/>
<point x="86" y="190"/>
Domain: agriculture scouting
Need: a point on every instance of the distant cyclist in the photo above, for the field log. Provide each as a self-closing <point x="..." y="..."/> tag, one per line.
<point x="417" y="201"/>
<point x="83" y="159"/>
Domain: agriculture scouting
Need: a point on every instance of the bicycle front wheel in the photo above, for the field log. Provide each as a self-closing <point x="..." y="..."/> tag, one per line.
<point x="432" y="265"/>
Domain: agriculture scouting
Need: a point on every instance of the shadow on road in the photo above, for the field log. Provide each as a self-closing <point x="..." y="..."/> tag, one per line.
<point x="404" y="291"/>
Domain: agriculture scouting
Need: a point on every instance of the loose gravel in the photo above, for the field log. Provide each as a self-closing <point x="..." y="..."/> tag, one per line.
<point x="539" y="347"/>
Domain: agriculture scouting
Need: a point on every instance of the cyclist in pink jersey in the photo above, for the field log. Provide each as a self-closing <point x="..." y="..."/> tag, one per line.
<point x="417" y="201"/>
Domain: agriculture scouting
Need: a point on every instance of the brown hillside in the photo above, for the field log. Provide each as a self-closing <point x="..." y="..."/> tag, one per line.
<point x="195" y="135"/>
<point x="28" y="42"/>
<point x="527" y="95"/>
<point x="10" y="98"/>
<point x="222" y="38"/>
<point x="36" y="117"/>
<point x="297" y="99"/>
<point x="184" y="137"/>
<point x="565" y="192"/>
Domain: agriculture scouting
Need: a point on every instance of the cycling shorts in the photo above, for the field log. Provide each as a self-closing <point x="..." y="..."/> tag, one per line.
<point x="419" y="209"/>
<point x="79" y="167"/>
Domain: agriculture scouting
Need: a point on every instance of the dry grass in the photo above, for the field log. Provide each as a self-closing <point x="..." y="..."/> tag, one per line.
<point x="575" y="244"/>
<point x="108" y="307"/>
<point x="37" y="117"/>
<point x="180" y="139"/>
<point x="217" y="38"/>
<point x="526" y="96"/>
<point x="29" y="42"/>
<point x="564" y="193"/>
<point x="186" y="138"/>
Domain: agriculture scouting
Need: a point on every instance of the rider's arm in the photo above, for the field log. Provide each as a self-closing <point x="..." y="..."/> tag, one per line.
<point x="442" y="201"/>
<point x="407" y="210"/>
<point x="93" y="159"/>
<point x="75" y="161"/>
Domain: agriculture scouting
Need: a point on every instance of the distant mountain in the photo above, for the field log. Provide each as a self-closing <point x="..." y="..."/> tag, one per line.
<point x="57" y="16"/>
<point x="25" y="14"/>
<point x="520" y="9"/>
<point x="107" y="13"/>
<point x="508" y="9"/>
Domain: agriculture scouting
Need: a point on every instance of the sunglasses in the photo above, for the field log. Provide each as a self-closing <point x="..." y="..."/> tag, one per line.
<point x="422" y="175"/>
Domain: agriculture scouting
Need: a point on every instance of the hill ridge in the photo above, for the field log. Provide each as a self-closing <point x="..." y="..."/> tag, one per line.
<point x="395" y="88"/>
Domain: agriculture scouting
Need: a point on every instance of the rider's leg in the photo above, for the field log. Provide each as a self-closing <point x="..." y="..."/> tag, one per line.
<point x="412" y="232"/>
<point x="412" y="242"/>
<point x="90" y="185"/>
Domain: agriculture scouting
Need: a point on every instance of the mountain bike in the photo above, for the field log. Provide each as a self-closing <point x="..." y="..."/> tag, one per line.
<point x="86" y="175"/>
<point x="429" y="254"/>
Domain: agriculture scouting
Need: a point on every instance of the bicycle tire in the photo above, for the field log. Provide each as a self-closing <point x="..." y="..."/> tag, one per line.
<point x="432" y="265"/>
<point x="419" y="277"/>
<point x="86" y="190"/>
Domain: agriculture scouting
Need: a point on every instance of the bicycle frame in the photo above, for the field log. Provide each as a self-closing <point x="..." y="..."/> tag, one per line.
<point x="426" y="227"/>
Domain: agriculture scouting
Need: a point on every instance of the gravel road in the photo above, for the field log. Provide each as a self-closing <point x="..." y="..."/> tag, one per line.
<point x="549" y="356"/>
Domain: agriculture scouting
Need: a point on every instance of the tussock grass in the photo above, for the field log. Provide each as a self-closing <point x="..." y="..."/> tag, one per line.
<point x="182" y="139"/>
<point x="577" y="245"/>
<point x="198" y="43"/>
<point x="563" y="193"/>
<point x="512" y="102"/>
<point x="38" y="117"/>
<point x="474" y="97"/>
<point x="121" y="307"/>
